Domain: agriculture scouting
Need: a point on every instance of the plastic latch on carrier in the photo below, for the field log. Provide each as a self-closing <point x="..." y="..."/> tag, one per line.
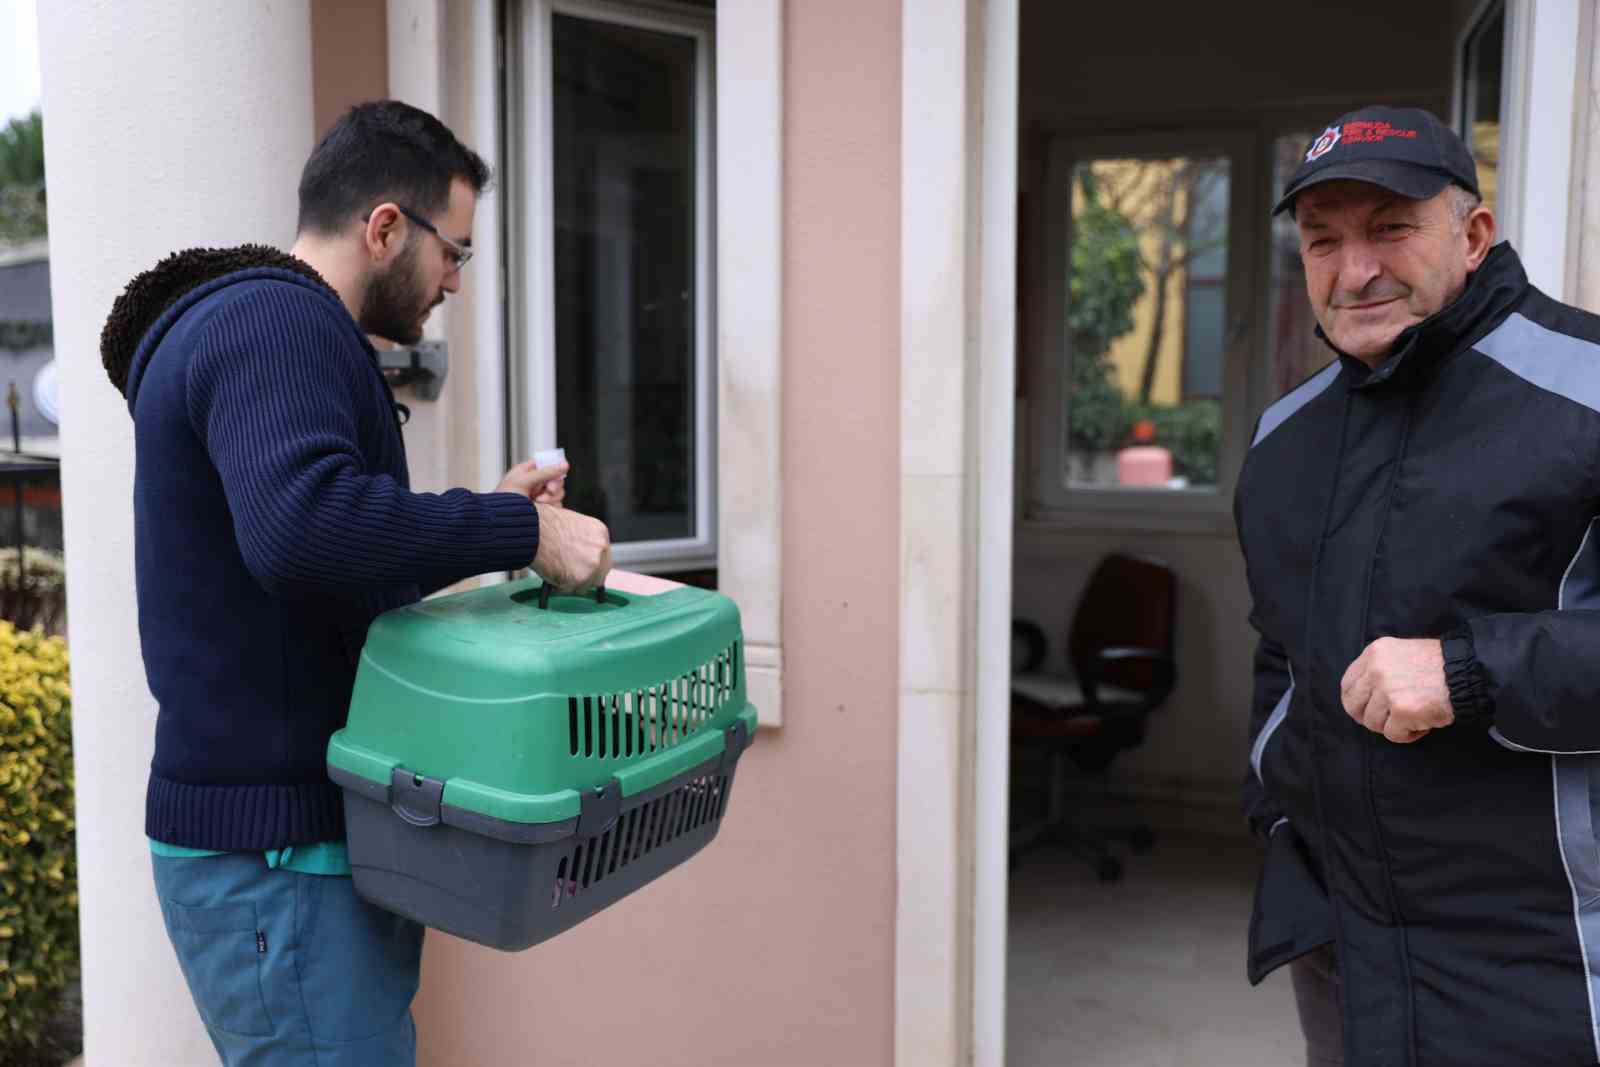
<point x="599" y="809"/>
<point x="416" y="798"/>
<point x="734" y="742"/>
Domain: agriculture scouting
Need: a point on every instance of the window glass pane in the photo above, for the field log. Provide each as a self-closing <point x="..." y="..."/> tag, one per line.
<point x="624" y="112"/>
<point x="1203" y="338"/>
<point x="1294" y="352"/>
<point x="1146" y="322"/>
<point x="1481" y="69"/>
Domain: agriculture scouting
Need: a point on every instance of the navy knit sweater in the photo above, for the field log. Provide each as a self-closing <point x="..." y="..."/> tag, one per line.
<point x="273" y="522"/>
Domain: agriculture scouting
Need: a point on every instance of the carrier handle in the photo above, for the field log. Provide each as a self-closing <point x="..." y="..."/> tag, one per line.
<point x="546" y="589"/>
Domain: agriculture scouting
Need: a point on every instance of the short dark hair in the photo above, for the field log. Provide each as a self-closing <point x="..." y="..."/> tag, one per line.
<point x="384" y="150"/>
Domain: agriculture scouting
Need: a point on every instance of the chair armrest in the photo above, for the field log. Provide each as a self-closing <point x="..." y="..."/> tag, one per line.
<point x="1161" y="665"/>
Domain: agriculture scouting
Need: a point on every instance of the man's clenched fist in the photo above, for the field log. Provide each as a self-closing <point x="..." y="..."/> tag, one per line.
<point x="574" y="549"/>
<point x="1397" y="688"/>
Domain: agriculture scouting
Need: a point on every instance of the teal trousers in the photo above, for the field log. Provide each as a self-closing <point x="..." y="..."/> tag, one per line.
<point x="291" y="969"/>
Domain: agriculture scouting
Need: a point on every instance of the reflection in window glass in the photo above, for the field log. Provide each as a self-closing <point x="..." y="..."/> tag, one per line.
<point x="1146" y="322"/>
<point x="624" y="111"/>
<point x="1294" y="352"/>
<point x="1481" y="69"/>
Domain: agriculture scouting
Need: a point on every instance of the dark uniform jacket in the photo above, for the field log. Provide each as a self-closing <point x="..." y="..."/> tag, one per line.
<point x="1453" y="492"/>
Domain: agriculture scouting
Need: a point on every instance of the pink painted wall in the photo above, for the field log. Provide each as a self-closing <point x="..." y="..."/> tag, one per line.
<point x="349" y="57"/>
<point x="776" y="945"/>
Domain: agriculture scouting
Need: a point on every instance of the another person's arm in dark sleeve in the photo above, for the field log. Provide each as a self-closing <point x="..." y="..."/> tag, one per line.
<point x="1534" y="678"/>
<point x="281" y="429"/>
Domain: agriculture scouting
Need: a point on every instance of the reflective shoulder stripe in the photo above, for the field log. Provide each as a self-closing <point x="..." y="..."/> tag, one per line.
<point x="1280" y="711"/>
<point x="1295" y="399"/>
<point x="1556" y="362"/>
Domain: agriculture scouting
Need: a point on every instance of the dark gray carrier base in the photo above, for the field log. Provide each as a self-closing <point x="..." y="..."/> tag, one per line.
<point x="512" y="885"/>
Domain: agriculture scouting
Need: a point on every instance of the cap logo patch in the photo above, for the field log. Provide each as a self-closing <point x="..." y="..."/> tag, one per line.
<point x="1375" y="132"/>
<point x="1324" y="144"/>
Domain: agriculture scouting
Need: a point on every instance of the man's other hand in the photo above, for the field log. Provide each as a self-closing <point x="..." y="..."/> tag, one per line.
<point x="574" y="549"/>
<point x="1397" y="688"/>
<point x="542" y="485"/>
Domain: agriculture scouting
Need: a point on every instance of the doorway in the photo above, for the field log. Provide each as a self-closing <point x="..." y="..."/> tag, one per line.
<point x="1160" y="310"/>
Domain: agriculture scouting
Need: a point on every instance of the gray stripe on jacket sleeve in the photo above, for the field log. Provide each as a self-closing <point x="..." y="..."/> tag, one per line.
<point x="1573" y="784"/>
<point x="1280" y="711"/>
<point x="1557" y="362"/>
<point x="1294" y="400"/>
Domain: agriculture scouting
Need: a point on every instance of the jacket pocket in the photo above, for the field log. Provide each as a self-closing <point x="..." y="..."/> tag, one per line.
<point x="220" y="950"/>
<point x="1291" y="915"/>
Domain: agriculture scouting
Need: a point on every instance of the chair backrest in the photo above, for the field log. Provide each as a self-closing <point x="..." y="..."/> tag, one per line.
<point x="1132" y="601"/>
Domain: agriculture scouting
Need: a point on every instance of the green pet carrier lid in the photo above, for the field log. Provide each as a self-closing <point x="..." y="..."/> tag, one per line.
<point x="486" y="708"/>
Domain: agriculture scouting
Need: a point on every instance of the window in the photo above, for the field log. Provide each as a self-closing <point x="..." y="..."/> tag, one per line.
<point x="1140" y="392"/>
<point x="616" y="308"/>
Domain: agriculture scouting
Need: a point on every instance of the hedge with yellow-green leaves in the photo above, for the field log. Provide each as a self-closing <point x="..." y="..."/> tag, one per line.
<point x="38" y="867"/>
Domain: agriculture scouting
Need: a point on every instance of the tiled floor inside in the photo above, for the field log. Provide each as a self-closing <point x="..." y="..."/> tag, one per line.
<point x="1145" y="972"/>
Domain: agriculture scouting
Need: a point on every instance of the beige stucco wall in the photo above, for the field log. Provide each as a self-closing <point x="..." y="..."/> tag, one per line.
<point x="776" y="945"/>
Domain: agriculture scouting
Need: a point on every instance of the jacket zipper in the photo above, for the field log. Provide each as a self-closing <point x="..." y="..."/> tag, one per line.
<point x="1373" y="741"/>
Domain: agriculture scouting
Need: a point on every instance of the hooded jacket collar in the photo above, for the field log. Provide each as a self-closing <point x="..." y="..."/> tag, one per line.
<point x="1492" y="291"/>
<point x="158" y="297"/>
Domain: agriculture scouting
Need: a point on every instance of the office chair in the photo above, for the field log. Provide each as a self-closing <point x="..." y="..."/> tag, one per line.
<point x="1121" y="649"/>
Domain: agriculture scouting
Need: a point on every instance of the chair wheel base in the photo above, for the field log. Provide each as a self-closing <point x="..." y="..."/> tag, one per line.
<point x="1109" y="870"/>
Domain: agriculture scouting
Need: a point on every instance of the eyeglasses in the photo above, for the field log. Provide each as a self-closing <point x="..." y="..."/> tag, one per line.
<point x="460" y="253"/>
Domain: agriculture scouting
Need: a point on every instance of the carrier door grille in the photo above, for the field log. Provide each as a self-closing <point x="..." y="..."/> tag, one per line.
<point x="639" y="832"/>
<point x="611" y="726"/>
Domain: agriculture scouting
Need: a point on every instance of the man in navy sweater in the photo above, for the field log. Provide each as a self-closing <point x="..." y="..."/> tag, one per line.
<point x="273" y="522"/>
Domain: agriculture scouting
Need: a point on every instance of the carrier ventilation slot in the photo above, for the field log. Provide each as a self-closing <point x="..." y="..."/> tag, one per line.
<point x="637" y="723"/>
<point x="639" y="832"/>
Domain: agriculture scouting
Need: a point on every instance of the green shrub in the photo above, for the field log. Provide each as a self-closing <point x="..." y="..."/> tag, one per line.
<point x="1106" y="282"/>
<point x="1098" y="417"/>
<point x="38" y="867"/>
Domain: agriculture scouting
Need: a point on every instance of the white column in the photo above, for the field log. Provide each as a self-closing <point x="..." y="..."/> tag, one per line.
<point x="958" y="310"/>
<point x="1585" y="247"/>
<point x="995" y="445"/>
<point x="750" y="336"/>
<point x="167" y="126"/>
<point x="932" y="1024"/>
<point x="417" y="77"/>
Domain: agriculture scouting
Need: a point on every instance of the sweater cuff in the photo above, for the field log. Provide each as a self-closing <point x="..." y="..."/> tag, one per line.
<point x="1469" y="692"/>
<point x="515" y="536"/>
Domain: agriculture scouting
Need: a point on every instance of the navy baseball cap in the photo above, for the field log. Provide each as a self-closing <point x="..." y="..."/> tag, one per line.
<point x="1404" y="149"/>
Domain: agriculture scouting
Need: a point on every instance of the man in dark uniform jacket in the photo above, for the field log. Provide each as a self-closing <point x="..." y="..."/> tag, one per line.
<point x="1417" y="523"/>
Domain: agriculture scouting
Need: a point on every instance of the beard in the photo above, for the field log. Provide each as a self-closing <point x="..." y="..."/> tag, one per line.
<point x="395" y="302"/>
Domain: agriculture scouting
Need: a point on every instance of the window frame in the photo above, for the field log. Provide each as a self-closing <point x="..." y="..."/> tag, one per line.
<point x="1538" y="100"/>
<point x="1049" y="498"/>
<point x="529" y="124"/>
<point x="1481" y="14"/>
